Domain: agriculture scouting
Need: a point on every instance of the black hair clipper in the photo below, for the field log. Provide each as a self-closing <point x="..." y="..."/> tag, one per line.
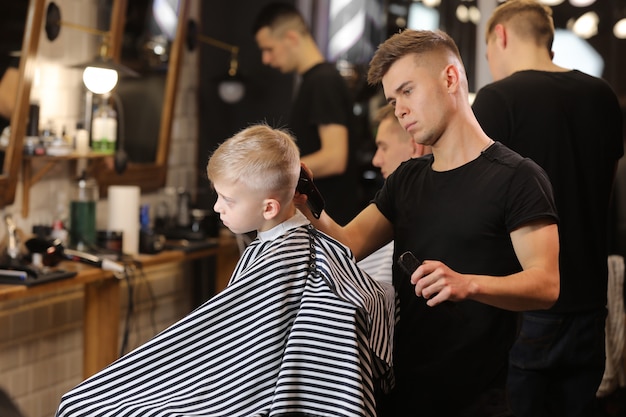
<point x="315" y="201"/>
<point x="409" y="263"/>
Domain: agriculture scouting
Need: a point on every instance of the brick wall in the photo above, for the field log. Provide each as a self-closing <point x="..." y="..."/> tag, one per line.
<point x="41" y="345"/>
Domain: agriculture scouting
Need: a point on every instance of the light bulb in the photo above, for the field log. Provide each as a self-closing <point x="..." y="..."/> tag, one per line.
<point x="581" y="3"/>
<point x="619" y="30"/>
<point x="99" y="80"/>
<point x="586" y="25"/>
<point x="231" y="90"/>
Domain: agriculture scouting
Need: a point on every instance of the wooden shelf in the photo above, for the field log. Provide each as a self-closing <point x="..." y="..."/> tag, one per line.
<point x="30" y="177"/>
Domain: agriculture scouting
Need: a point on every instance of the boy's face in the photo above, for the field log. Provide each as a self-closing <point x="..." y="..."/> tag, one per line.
<point x="239" y="208"/>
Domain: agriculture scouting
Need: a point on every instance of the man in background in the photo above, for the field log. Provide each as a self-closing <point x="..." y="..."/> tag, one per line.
<point x="321" y="115"/>
<point x="394" y="145"/>
<point x="570" y="124"/>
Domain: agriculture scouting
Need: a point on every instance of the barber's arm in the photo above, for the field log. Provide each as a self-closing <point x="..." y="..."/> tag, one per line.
<point x="332" y="158"/>
<point x="366" y="233"/>
<point x="535" y="287"/>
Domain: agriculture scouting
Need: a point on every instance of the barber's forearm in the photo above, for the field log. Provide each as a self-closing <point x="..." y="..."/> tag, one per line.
<point x="332" y="157"/>
<point x="325" y="165"/>
<point x="534" y="289"/>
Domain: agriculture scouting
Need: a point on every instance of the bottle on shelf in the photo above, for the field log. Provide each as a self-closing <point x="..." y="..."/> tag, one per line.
<point x="83" y="213"/>
<point x="104" y="128"/>
<point x="81" y="140"/>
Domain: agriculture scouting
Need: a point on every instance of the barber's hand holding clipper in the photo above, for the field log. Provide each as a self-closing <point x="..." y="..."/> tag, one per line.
<point x="306" y="187"/>
<point x="435" y="281"/>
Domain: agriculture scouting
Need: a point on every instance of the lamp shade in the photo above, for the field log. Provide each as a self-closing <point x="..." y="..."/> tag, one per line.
<point x="101" y="75"/>
<point x="231" y="89"/>
<point x="100" y="80"/>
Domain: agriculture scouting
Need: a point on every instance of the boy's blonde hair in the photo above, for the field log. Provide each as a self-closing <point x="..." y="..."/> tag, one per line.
<point x="260" y="157"/>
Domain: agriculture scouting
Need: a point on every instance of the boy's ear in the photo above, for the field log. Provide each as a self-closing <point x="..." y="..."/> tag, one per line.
<point x="271" y="208"/>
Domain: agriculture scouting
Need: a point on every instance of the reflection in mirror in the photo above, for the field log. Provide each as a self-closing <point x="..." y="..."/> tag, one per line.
<point x="152" y="45"/>
<point x="148" y="35"/>
<point x="12" y="23"/>
<point x="20" y="33"/>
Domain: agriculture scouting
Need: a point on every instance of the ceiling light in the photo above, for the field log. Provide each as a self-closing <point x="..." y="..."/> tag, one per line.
<point x="99" y="80"/>
<point x="619" y="30"/>
<point x="462" y="13"/>
<point x="581" y="3"/>
<point x="474" y="14"/>
<point x="101" y="74"/>
<point x="586" y="25"/>
<point x="231" y="89"/>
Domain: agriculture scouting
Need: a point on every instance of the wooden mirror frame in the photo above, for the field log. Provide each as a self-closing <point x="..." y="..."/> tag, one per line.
<point x="13" y="154"/>
<point x="148" y="176"/>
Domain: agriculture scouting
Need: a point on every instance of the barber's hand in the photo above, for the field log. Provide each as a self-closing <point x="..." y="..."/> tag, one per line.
<point x="437" y="283"/>
<point x="300" y="199"/>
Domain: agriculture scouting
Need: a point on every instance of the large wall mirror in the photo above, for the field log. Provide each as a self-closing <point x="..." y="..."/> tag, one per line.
<point x="147" y="172"/>
<point x="148" y="38"/>
<point x="30" y="16"/>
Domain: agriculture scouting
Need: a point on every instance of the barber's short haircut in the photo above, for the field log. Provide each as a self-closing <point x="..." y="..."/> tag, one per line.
<point x="528" y="18"/>
<point x="279" y="17"/>
<point x="409" y="42"/>
<point x="260" y="157"/>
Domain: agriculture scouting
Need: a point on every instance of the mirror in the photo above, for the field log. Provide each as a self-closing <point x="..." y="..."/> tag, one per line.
<point x="148" y="173"/>
<point x="13" y="151"/>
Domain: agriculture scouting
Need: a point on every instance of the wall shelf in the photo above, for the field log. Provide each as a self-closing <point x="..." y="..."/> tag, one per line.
<point x="30" y="177"/>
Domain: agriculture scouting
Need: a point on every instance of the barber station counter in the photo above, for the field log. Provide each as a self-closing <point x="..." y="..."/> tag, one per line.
<point x="104" y="300"/>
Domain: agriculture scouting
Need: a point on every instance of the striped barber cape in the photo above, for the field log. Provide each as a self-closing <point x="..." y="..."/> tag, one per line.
<point x="299" y="330"/>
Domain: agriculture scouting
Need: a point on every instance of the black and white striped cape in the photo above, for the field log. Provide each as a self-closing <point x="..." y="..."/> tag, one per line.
<point x="296" y="332"/>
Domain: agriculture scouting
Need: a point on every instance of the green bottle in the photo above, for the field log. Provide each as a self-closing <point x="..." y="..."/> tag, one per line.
<point x="83" y="213"/>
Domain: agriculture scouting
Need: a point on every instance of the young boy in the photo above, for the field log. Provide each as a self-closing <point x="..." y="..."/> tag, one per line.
<point x="298" y="330"/>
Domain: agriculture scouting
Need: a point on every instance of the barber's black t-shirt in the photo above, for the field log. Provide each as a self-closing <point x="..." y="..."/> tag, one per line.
<point x="462" y="217"/>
